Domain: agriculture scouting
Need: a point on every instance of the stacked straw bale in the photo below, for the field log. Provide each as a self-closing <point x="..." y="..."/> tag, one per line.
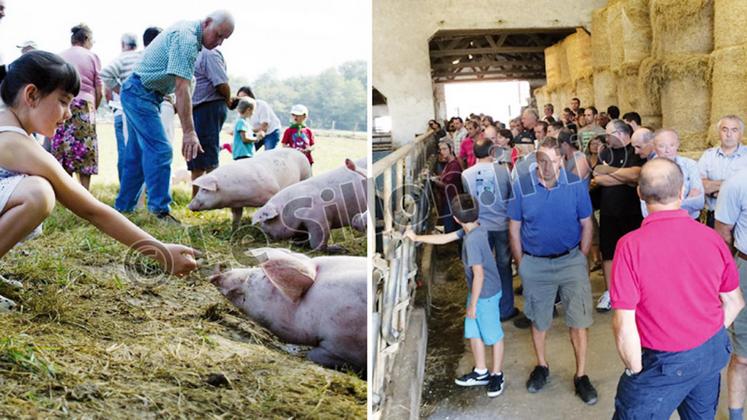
<point x="605" y="89"/>
<point x="729" y="84"/>
<point x="679" y="71"/>
<point x="729" y="23"/>
<point x="682" y="26"/>
<point x="552" y="66"/>
<point x="578" y="54"/>
<point x="682" y="83"/>
<point x="600" y="48"/>
<point x="542" y="98"/>
<point x="584" y="90"/>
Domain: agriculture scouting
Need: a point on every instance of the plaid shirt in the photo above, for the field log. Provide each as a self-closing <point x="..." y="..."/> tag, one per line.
<point x="172" y="54"/>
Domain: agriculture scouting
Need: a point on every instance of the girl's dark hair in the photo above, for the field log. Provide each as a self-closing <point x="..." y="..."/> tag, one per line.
<point x="247" y="90"/>
<point x="45" y="70"/>
<point x="81" y="33"/>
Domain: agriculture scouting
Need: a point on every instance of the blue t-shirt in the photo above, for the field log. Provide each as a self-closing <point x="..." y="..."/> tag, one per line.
<point x="239" y="148"/>
<point x="476" y="251"/>
<point x="550" y="219"/>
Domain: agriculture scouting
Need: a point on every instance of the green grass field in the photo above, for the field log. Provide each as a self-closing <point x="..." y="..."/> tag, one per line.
<point x="101" y="333"/>
<point x="331" y="150"/>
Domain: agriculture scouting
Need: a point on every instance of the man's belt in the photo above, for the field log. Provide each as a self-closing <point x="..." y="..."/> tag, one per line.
<point x="562" y="254"/>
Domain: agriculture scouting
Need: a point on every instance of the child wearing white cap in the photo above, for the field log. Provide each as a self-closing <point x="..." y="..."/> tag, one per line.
<point x="298" y="136"/>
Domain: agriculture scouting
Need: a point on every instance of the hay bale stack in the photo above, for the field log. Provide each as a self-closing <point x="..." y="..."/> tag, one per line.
<point x="636" y="31"/>
<point x="605" y="88"/>
<point x="682" y="26"/>
<point x="578" y="54"/>
<point x="565" y="69"/>
<point x="682" y="84"/>
<point x="552" y="66"/>
<point x="632" y="94"/>
<point x="600" y="47"/>
<point x="615" y="35"/>
<point x="653" y="121"/>
<point x="729" y="22"/>
<point x="585" y="90"/>
<point x="729" y="85"/>
<point x="541" y="97"/>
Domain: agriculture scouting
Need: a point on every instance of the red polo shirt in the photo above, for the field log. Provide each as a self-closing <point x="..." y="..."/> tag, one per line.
<point x="671" y="271"/>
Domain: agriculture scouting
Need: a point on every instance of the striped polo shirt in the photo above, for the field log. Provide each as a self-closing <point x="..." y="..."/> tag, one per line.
<point x="171" y="54"/>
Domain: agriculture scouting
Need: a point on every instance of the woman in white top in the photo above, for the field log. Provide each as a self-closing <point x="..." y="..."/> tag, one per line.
<point x="38" y="90"/>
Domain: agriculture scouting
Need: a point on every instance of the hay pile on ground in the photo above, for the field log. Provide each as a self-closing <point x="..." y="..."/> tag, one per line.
<point x="729" y="23"/>
<point x="96" y="341"/>
<point x="682" y="26"/>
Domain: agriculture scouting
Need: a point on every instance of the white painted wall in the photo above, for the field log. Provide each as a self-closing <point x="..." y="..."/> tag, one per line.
<point x="402" y="29"/>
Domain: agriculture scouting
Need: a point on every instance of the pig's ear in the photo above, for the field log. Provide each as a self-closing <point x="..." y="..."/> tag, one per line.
<point x="266" y="213"/>
<point x="207" y="182"/>
<point x="292" y="276"/>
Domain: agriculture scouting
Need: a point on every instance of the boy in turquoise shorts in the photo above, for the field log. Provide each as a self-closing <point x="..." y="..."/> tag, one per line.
<point x="482" y="325"/>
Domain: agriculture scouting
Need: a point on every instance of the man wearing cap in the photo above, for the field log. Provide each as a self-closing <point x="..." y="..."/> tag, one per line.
<point x="167" y="66"/>
<point x="210" y="102"/>
<point x="719" y="163"/>
<point x="670" y="316"/>
<point x="113" y="76"/>
<point x="550" y="234"/>
<point x="298" y="136"/>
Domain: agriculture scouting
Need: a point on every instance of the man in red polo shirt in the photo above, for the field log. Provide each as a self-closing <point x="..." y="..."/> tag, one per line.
<point x="674" y="288"/>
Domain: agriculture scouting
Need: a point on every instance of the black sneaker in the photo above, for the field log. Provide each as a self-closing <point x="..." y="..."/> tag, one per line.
<point x="495" y="385"/>
<point x="585" y="390"/>
<point x="522" y="322"/>
<point x="511" y="316"/>
<point x="472" y="379"/>
<point x="168" y="218"/>
<point x="538" y="378"/>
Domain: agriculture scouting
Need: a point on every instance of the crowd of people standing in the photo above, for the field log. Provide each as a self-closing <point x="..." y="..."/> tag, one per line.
<point x="565" y="195"/>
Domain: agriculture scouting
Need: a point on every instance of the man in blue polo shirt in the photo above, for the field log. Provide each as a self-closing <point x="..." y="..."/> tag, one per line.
<point x="550" y="234"/>
<point x="167" y="66"/>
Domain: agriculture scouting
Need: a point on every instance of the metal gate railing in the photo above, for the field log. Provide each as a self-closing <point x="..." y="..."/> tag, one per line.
<point x="403" y="201"/>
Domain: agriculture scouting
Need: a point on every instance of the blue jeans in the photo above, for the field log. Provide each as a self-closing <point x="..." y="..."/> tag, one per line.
<point x="686" y="381"/>
<point x="119" y="133"/>
<point x="272" y="139"/>
<point x="498" y="240"/>
<point x="148" y="153"/>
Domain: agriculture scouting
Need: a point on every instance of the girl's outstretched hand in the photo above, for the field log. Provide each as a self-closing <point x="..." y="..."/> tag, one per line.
<point x="180" y="260"/>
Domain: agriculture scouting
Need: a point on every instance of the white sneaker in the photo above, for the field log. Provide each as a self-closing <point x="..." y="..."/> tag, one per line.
<point x="604" y="304"/>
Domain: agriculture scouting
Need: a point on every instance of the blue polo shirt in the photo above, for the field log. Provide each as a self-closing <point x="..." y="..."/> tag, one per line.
<point x="549" y="218"/>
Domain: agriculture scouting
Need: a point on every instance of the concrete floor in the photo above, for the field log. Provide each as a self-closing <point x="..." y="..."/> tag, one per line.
<point x="444" y="400"/>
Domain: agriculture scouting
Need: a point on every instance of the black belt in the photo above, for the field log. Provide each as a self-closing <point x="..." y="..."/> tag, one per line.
<point x="552" y="256"/>
<point x="741" y="255"/>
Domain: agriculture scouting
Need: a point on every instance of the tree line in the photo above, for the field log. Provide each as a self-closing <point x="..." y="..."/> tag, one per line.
<point x="336" y="97"/>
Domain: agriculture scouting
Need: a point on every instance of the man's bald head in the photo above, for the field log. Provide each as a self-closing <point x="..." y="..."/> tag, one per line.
<point x="642" y="141"/>
<point x="660" y="182"/>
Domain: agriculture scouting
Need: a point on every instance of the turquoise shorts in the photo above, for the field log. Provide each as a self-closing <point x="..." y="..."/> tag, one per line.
<point x="487" y="325"/>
